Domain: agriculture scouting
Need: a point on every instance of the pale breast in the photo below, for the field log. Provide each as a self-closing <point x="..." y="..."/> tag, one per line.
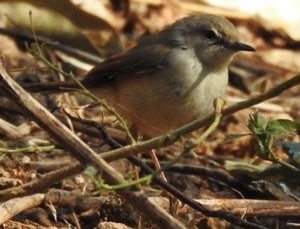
<point x="201" y="100"/>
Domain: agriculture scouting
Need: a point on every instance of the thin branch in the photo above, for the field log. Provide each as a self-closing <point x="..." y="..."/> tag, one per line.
<point x="27" y="149"/>
<point x="246" y="207"/>
<point x="15" y="206"/>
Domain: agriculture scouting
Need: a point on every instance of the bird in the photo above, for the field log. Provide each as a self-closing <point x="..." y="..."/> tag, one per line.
<point x="169" y="78"/>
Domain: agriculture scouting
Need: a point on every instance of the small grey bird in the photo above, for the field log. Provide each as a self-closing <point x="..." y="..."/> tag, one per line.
<point x="170" y="78"/>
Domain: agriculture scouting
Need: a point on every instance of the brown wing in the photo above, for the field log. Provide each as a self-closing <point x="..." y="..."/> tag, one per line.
<point x="137" y="61"/>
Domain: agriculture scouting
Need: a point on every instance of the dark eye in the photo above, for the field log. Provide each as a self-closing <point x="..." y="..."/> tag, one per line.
<point x="210" y="34"/>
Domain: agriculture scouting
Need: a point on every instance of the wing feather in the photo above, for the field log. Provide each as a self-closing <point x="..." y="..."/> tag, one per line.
<point x="135" y="62"/>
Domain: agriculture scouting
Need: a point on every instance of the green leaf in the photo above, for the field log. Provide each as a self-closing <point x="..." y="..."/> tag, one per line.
<point x="282" y="127"/>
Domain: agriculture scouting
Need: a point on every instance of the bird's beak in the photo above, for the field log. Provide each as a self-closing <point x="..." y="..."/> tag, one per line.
<point x="238" y="46"/>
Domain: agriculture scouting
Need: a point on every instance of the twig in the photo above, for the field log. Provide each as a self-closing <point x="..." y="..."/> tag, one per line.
<point x="10" y="130"/>
<point x="13" y="207"/>
<point x="43" y="183"/>
<point x="247" y="207"/>
<point x="27" y="149"/>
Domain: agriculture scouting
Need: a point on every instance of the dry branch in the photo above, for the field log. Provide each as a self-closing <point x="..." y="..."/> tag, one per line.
<point x="13" y="207"/>
<point x="243" y="207"/>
